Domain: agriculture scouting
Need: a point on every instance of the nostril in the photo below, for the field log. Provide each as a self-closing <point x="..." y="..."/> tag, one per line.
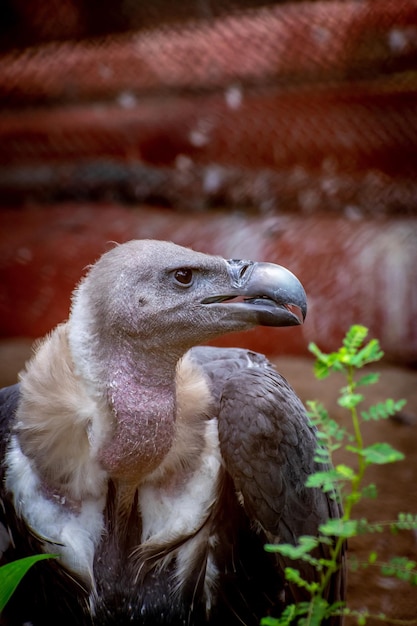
<point x="238" y="269"/>
<point x="243" y="270"/>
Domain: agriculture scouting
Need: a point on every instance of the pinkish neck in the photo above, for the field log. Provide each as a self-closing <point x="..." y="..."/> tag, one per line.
<point x="144" y="411"/>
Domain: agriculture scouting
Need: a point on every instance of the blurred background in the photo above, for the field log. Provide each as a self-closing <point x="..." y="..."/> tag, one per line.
<point x="277" y="131"/>
<point x="281" y="131"/>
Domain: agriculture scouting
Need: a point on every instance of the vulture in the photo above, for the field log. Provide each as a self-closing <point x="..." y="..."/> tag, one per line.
<point x="155" y="467"/>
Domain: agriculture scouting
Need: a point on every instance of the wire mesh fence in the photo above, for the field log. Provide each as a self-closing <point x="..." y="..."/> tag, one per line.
<point x="268" y="106"/>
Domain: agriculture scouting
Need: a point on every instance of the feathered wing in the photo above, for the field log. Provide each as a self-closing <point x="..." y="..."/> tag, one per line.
<point x="268" y="447"/>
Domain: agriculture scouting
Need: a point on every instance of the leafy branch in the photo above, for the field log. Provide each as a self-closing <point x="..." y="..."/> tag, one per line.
<point x="345" y="482"/>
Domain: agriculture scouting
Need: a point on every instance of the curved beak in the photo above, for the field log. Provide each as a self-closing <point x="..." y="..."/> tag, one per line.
<point x="265" y="293"/>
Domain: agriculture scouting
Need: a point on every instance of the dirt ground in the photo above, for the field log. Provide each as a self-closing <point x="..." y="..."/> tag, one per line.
<point x="397" y="483"/>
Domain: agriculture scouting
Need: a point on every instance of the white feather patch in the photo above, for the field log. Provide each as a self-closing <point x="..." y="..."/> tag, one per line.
<point x="180" y="508"/>
<point x="78" y="531"/>
<point x="60" y="425"/>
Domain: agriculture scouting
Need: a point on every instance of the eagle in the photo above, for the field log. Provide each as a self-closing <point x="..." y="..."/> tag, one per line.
<point x="155" y="467"/>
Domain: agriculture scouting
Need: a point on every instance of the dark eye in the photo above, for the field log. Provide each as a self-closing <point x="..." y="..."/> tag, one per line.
<point x="184" y="276"/>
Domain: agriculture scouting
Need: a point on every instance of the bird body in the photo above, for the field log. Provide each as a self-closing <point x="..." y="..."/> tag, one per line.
<point x="157" y="470"/>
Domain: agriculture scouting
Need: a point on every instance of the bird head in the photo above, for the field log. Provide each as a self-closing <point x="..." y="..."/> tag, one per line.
<point x="162" y="295"/>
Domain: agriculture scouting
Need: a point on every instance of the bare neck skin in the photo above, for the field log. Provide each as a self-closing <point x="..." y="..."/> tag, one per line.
<point x="142" y="400"/>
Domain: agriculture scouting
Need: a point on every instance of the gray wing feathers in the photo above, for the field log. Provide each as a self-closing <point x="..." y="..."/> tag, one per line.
<point x="268" y="447"/>
<point x="265" y="435"/>
<point x="266" y="441"/>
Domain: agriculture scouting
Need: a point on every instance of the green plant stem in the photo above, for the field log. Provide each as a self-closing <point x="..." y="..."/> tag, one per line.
<point x="358" y="478"/>
<point x="354" y="496"/>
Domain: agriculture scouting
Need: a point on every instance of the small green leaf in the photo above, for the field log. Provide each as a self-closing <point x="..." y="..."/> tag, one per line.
<point x="318" y="611"/>
<point x="305" y="545"/>
<point x="381" y="453"/>
<point x="344" y="356"/>
<point x="402" y="568"/>
<point x="321" y="369"/>
<point x="345" y="472"/>
<point x="383" y="410"/>
<point x="355" y="337"/>
<point x="325" y="363"/>
<point x="293" y="576"/>
<point x="12" y="573"/>
<point x="316" y="412"/>
<point x="339" y="528"/>
<point x="406" y="521"/>
<point x="322" y="455"/>
<point x="368" y="379"/>
<point x="353" y="449"/>
<point x="369" y="354"/>
<point x="326" y="480"/>
<point x="350" y="400"/>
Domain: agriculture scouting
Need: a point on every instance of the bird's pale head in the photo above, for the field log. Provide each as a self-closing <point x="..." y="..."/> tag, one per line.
<point x="167" y="296"/>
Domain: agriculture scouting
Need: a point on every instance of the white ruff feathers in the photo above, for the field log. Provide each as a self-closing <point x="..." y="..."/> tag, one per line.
<point x="78" y="532"/>
<point x="60" y="488"/>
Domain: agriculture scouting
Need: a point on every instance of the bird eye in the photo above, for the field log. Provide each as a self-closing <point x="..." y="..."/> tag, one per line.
<point x="184" y="276"/>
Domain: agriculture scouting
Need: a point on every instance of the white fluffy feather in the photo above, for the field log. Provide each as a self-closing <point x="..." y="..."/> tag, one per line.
<point x="78" y="531"/>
